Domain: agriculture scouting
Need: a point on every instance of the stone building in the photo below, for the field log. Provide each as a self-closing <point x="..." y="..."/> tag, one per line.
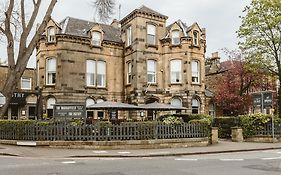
<point x="137" y="60"/>
<point x="23" y="102"/>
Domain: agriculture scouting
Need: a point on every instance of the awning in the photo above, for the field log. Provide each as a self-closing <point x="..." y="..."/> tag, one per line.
<point x="111" y="105"/>
<point x="161" y="107"/>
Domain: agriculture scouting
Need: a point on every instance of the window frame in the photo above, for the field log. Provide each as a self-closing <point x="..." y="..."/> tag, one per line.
<point x="195" y="108"/>
<point x="51" y="38"/>
<point x="195" y="38"/>
<point x="96" y="42"/>
<point x="151" y="72"/>
<point x="173" y="37"/>
<point x="52" y="73"/>
<point x="195" y="75"/>
<point x="129" y="36"/>
<point x="30" y="83"/>
<point x="172" y="72"/>
<point x="129" y="72"/>
<point x="95" y="74"/>
<point x="152" y="35"/>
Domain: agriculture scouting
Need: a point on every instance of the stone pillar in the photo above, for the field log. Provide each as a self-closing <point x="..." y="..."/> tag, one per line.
<point x="215" y="135"/>
<point x="237" y="134"/>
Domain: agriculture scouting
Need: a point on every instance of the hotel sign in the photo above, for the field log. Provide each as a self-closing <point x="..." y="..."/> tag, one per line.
<point x="69" y="110"/>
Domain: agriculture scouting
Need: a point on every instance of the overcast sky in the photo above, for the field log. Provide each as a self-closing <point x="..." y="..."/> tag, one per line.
<point x="219" y="17"/>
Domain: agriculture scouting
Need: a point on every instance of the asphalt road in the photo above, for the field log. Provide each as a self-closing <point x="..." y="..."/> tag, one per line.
<point x="246" y="163"/>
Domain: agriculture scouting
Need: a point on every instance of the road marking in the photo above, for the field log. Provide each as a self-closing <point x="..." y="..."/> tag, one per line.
<point x="271" y="158"/>
<point x="124" y="152"/>
<point x="100" y="152"/>
<point x="68" y="162"/>
<point x="185" y="159"/>
<point x="231" y="159"/>
<point x="159" y="153"/>
<point x="278" y="152"/>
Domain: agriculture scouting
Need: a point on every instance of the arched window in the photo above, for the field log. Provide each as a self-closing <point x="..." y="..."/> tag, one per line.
<point x="195" y="104"/>
<point x="176" y="102"/>
<point x="51" y="68"/>
<point x="51" y="34"/>
<point x="96" y="38"/>
<point x="175" y="37"/>
<point x="175" y="70"/>
<point x="195" y="38"/>
<point x="212" y="109"/>
<point x="100" y="114"/>
<point x="50" y="106"/>
<point x="89" y="102"/>
<point x="151" y="71"/>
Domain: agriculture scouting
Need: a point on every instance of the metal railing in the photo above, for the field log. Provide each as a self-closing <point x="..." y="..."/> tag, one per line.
<point x="124" y="131"/>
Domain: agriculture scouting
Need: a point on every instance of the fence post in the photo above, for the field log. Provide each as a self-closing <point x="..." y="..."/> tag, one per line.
<point x="215" y="135"/>
<point x="237" y="134"/>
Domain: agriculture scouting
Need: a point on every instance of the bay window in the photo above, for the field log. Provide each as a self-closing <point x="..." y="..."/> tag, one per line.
<point x="51" y="71"/>
<point x="151" y="33"/>
<point x="195" y="71"/>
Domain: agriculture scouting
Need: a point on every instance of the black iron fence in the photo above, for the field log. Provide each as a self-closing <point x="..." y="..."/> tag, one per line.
<point x="268" y="128"/>
<point x="124" y="131"/>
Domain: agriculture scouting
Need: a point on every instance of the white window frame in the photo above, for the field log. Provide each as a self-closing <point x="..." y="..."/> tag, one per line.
<point x="196" y="38"/>
<point x="176" y="71"/>
<point x="151" y="71"/>
<point x="101" y="74"/>
<point x="96" y="38"/>
<point x="151" y="33"/>
<point x="51" y="74"/>
<point x="51" y="34"/>
<point x="195" y="106"/>
<point x="129" y="36"/>
<point x="176" y="37"/>
<point x="195" y="74"/>
<point x="129" y="72"/>
<point x="90" y="73"/>
<point x="26" y="80"/>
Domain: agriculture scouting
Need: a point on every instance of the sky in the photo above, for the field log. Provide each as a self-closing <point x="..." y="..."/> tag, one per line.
<point x="219" y="17"/>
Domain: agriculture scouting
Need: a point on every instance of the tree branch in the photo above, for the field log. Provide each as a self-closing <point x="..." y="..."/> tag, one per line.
<point x="9" y="35"/>
<point x="22" y="15"/>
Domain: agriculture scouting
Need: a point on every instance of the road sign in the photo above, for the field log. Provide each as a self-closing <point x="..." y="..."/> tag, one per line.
<point x="2" y="99"/>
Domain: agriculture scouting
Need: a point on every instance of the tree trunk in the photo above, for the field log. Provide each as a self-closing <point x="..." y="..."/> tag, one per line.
<point x="8" y="91"/>
<point x="279" y="96"/>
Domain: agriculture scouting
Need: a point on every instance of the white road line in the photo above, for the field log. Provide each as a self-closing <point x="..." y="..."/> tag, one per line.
<point x="100" y="152"/>
<point x="278" y="152"/>
<point x="68" y="162"/>
<point x="159" y="153"/>
<point x="124" y="152"/>
<point x="271" y="158"/>
<point x="185" y="159"/>
<point x="231" y="159"/>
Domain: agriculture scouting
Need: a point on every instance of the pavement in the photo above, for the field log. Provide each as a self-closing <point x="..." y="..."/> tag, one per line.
<point x="224" y="146"/>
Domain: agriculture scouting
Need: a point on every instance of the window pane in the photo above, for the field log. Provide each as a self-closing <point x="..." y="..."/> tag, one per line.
<point x="129" y="36"/>
<point x="195" y="103"/>
<point x="26" y="83"/>
<point x="101" y="73"/>
<point x="89" y="102"/>
<point x="96" y="38"/>
<point x="175" y="71"/>
<point x="50" y="103"/>
<point x="51" y="34"/>
<point x="151" y="29"/>
<point x="151" y="39"/>
<point x="51" y="64"/>
<point x="129" y="73"/>
<point x="151" y="71"/>
<point x="91" y="67"/>
<point x="195" y="71"/>
<point x="175" y="37"/>
<point x="176" y="102"/>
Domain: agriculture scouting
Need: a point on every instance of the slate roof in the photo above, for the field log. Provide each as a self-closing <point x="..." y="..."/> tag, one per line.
<point x="79" y="27"/>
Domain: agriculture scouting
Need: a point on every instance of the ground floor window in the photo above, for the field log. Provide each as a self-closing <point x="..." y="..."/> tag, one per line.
<point x="31" y="112"/>
<point x="195" y="104"/>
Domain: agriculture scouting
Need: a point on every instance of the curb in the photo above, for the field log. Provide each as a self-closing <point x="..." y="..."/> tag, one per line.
<point x="173" y="154"/>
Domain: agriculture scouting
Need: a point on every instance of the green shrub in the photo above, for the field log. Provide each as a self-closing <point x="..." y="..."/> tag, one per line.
<point x="253" y="122"/>
<point x="172" y="120"/>
<point x="224" y="125"/>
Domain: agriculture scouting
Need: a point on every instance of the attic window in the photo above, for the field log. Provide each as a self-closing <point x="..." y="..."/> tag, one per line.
<point x="96" y="38"/>
<point x="195" y="38"/>
<point x="175" y="37"/>
<point x="51" y="34"/>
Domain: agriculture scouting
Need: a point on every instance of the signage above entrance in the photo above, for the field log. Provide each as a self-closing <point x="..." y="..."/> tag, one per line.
<point x="69" y="110"/>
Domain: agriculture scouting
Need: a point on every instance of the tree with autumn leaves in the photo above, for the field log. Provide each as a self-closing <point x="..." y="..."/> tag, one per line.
<point x="235" y="82"/>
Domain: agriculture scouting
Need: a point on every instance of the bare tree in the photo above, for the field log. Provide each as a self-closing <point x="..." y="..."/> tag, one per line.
<point x="104" y="9"/>
<point x="16" y="27"/>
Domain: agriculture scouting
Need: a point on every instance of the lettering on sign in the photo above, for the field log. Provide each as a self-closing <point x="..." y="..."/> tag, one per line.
<point x="69" y="110"/>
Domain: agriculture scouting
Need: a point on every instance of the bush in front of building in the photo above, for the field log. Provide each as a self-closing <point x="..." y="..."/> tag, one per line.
<point x="251" y="123"/>
<point x="225" y="124"/>
<point x="172" y="120"/>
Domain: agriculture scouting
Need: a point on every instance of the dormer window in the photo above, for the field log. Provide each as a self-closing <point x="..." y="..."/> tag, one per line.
<point x="51" y="34"/>
<point x="96" y="38"/>
<point x="151" y="33"/>
<point x="175" y="37"/>
<point x="195" y="38"/>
